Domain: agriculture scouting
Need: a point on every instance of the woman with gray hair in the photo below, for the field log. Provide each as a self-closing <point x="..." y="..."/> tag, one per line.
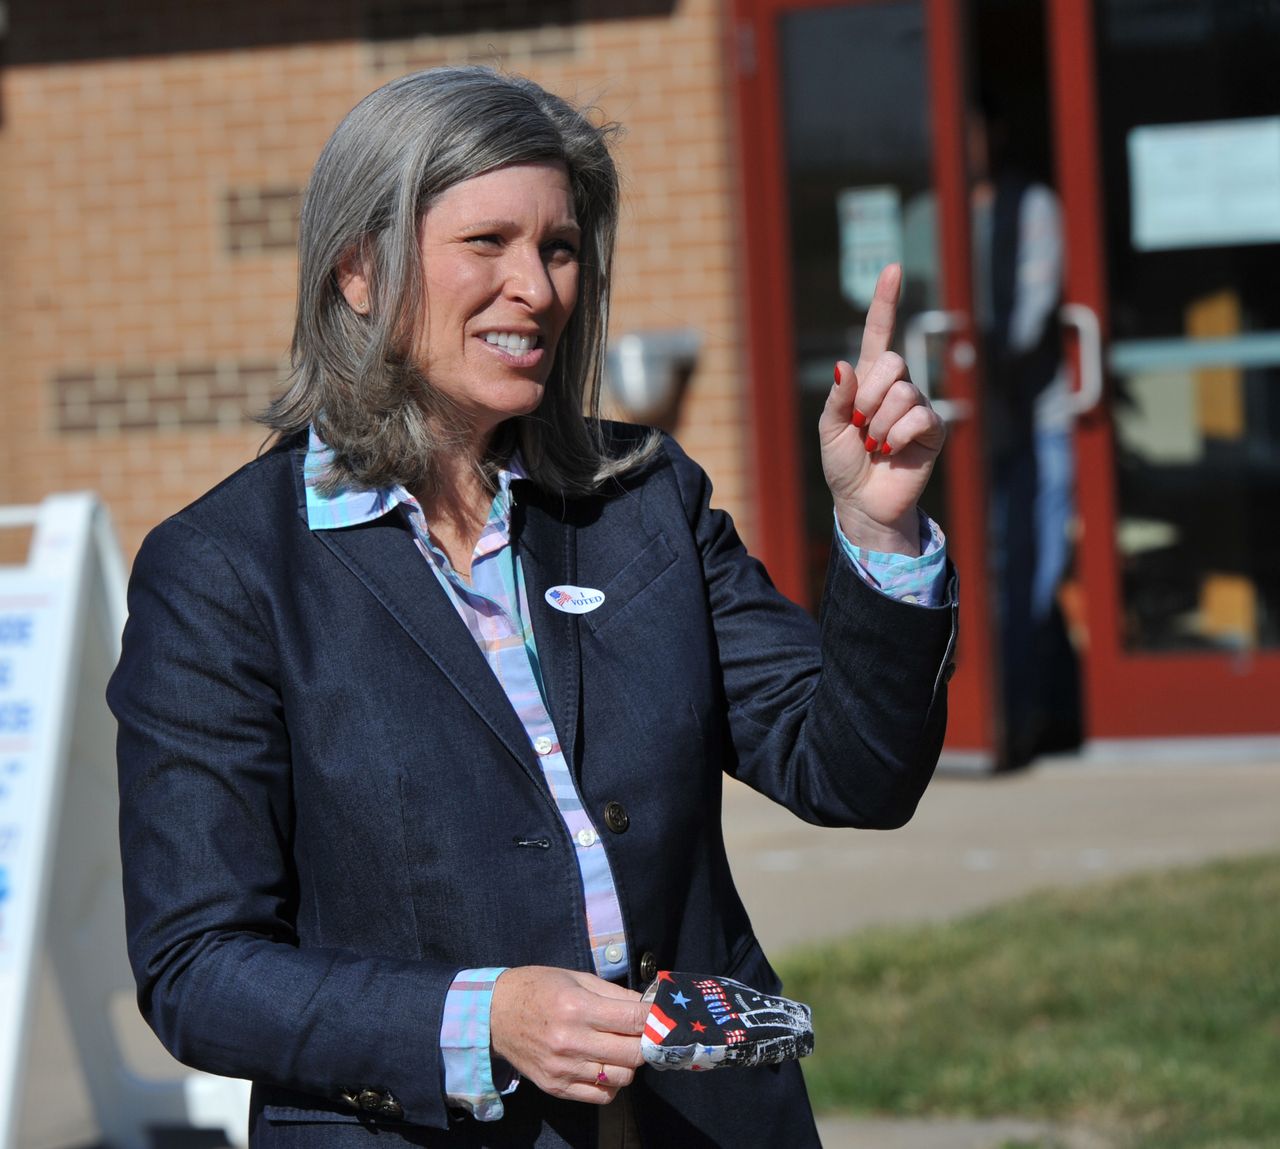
<point x="424" y="713"/>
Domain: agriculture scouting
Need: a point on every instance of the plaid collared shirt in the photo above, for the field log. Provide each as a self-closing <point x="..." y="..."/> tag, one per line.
<point x="494" y="606"/>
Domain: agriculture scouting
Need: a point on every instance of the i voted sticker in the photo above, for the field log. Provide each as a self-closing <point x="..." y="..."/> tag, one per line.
<point x="575" y="599"/>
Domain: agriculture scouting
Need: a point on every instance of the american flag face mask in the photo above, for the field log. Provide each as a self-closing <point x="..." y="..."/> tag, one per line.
<point x="700" y="1022"/>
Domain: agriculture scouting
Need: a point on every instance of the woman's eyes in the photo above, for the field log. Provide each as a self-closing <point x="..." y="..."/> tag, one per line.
<point x="555" y="248"/>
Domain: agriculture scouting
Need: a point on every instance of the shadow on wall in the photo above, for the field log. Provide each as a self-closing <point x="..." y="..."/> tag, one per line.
<point x="58" y="31"/>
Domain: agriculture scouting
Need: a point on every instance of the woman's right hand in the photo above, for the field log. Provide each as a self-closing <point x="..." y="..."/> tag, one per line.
<point x="562" y="1030"/>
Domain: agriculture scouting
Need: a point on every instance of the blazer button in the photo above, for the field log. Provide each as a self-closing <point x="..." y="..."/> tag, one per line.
<point x="616" y="817"/>
<point x="648" y="967"/>
<point x="369" y="1100"/>
<point x="390" y="1108"/>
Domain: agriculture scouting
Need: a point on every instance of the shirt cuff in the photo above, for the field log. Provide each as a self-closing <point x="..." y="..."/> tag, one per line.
<point x="918" y="579"/>
<point x="474" y="1080"/>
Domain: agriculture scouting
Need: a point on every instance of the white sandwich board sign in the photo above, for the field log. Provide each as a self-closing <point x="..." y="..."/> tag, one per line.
<point x="61" y="616"/>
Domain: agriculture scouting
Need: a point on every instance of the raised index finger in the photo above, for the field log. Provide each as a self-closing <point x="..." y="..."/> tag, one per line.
<point x="882" y="315"/>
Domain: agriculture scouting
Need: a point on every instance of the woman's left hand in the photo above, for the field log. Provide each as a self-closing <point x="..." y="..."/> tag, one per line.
<point x="879" y="436"/>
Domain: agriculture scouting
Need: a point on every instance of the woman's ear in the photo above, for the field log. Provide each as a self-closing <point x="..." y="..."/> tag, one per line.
<point x="354" y="283"/>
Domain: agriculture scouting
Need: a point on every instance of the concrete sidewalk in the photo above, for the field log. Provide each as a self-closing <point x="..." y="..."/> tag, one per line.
<point x="978" y="841"/>
<point x="975" y="841"/>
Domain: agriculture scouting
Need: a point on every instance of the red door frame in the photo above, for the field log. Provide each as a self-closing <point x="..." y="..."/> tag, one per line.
<point x="1126" y="694"/>
<point x="971" y="730"/>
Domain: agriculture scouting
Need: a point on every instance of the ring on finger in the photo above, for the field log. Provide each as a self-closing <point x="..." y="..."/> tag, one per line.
<point x="602" y="1078"/>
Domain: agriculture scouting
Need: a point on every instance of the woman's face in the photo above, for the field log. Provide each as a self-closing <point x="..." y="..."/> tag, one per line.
<point x="500" y="262"/>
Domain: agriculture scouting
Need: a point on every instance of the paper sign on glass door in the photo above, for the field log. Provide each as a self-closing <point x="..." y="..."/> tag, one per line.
<point x="1210" y="184"/>
<point x="870" y="237"/>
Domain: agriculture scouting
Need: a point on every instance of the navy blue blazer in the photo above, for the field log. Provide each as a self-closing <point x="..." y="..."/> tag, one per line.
<point x="327" y="800"/>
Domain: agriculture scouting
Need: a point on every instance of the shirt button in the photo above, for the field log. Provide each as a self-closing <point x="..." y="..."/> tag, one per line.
<point x="909" y="598"/>
<point x="543" y="744"/>
<point x="613" y="954"/>
<point x="587" y="837"/>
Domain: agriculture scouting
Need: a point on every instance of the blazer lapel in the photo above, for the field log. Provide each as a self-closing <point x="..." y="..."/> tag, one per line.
<point x="382" y="555"/>
<point x="547" y="545"/>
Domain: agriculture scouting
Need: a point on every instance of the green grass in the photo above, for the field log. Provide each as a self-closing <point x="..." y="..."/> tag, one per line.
<point x="1149" y="1007"/>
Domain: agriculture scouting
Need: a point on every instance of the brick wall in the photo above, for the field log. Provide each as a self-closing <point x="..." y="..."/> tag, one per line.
<point x="149" y="172"/>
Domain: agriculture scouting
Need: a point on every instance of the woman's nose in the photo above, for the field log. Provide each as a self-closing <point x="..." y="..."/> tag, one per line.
<point x="528" y="278"/>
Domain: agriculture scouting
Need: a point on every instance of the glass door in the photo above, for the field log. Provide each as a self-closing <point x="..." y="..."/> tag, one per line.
<point x="1167" y="126"/>
<point x="852" y="143"/>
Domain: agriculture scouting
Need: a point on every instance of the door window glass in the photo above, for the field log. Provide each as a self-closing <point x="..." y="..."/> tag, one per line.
<point x="1188" y="99"/>
<point x="859" y="187"/>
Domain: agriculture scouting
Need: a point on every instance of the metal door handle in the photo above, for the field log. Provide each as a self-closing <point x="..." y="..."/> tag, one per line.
<point x="1085" y="320"/>
<point x="915" y="347"/>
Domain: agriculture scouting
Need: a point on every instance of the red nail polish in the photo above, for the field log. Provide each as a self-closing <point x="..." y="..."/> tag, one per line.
<point x="859" y="419"/>
<point x="885" y="448"/>
<point x="837" y="374"/>
<point x="871" y="444"/>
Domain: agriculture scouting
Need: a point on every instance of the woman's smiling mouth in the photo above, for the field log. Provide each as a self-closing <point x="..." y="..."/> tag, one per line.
<point x="511" y="341"/>
<point x="516" y="348"/>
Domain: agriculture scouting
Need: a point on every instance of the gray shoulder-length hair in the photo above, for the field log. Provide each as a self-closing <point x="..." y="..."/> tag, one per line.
<point x="353" y="375"/>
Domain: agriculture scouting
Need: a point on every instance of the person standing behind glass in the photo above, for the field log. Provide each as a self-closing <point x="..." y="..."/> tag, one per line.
<point x="1018" y="276"/>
